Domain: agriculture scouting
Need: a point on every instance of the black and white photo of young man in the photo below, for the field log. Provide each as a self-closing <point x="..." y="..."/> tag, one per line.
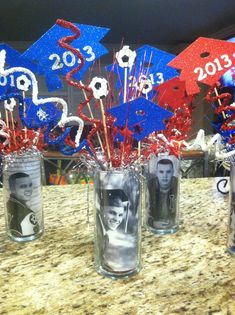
<point x="117" y="228"/>
<point x="162" y="193"/>
<point x="22" y="220"/>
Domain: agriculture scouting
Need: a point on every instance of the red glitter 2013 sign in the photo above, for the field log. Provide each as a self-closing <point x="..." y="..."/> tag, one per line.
<point x="205" y="60"/>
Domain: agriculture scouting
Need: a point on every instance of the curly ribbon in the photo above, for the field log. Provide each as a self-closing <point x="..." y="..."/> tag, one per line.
<point x="223" y="99"/>
<point x="30" y="74"/>
<point x="65" y="43"/>
<point x="179" y="124"/>
<point x="16" y="140"/>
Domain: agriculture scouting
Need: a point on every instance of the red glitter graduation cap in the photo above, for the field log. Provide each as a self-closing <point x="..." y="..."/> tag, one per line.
<point x="205" y="60"/>
<point x="172" y="93"/>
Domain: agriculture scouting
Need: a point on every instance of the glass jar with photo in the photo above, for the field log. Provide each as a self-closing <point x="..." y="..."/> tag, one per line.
<point x="22" y="195"/>
<point x="231" y="220"/>
<point x="117" y="222"/>
<point x="162" y="177"/>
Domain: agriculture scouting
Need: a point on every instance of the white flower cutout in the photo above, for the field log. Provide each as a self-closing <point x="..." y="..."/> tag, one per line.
<point x="10" y="104"/>
<point x="144" y="85"/>
<point x="126" y="57"/>
<point x="23" y="83"/>
<point x="99" y="87"/>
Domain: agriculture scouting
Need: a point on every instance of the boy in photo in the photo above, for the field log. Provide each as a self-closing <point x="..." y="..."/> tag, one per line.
<point x="22" y="220"/>
<point x="117" y="246"/>
<point x="162" y="194"/>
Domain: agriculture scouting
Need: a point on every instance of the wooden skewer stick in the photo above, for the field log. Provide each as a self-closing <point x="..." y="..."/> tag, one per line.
<point x="13" y="127"/>
<point x="92" y="116"/>
<point x="25" y="128"/>
<point x="7" y="119"/>
<point x="219" y="101"/>
<point x="139" y="148"/>
<point x="105" y="130"/>
<point x="125" y="84"/>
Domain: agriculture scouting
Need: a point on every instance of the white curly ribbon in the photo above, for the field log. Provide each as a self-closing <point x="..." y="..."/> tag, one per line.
<point x="216" y="141"/>
<point x="38" y="101"/>
<point x="3" y="133"/>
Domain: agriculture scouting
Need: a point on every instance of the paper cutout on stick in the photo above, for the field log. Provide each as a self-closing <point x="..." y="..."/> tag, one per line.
<point x="141" y="116"/>
<point x="14" y="82"/>
<point x="53" y="60"/>
<point x="205" y="60"/>
<point x="172" y="93"/>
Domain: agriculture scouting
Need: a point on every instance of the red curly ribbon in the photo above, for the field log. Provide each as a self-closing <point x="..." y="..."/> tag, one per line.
<point x="225" y="99"/>
<point x="65" y="43"/>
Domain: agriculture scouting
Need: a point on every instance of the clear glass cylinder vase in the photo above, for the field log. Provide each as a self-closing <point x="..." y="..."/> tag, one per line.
<point x="117" y="222"/>
<point x="162" y="177"/>
<point x="22" y="191"/>
<point x="231" y="217"/>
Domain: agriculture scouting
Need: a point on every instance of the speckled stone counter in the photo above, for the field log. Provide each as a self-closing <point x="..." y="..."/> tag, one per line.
<point x="189" y="272"/>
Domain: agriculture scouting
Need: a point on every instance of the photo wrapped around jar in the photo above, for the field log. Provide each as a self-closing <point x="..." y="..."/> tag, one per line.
<point x="117" y="222"/>
<point x="162" y="177"/>
<point x="22" y="190"/>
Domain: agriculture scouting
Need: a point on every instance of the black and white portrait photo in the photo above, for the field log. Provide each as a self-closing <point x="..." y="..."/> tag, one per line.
<point x="23" y="200"/>
<point x="117" y="221"/>
<point x="162" y="177"/>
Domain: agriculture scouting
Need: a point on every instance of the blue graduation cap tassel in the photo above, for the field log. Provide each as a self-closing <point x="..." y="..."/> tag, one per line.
<point x="141" y="116"/>
<point x="53" y="60"/>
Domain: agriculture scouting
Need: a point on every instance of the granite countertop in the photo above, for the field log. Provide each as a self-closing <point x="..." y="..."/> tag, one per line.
<point x="189" y="272"/>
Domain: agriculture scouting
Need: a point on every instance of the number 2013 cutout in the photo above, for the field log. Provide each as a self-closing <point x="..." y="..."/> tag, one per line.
<point x="211" y="68"/>
<point x="69" y="59"/>
<point x="134" y="82"/>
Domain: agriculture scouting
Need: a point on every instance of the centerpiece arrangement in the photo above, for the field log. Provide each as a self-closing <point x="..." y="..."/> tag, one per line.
<point x="139" y="113"/>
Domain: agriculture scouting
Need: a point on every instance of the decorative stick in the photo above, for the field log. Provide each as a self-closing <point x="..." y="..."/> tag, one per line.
<point x="139" y="148"/>
<point x="13" y="127"/>
<point x="105" y="129"/>
<point x="92" y="116"/>
<point x="7" y="119"/>
<point x="25" y="128"/>
<point x="219" y="101"/>
<point x="125" y="84"/>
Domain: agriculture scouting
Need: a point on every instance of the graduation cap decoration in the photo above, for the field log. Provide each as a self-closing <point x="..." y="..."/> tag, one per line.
<point x="205" y="61"/>
<point x="153" y="63"/>
<point x="53" y="60"/>
<point x="141" y="116"/>
<point x="150" y="61"/>
<point x="173" y="93"/>
<point x="112" y="197"/>
<point x="12" y="82"/>
<point x="38" y="116"/>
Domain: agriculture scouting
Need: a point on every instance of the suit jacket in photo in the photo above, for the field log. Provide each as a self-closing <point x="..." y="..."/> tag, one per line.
<point x="22" y="220"/>
<point x="159" y="210"/>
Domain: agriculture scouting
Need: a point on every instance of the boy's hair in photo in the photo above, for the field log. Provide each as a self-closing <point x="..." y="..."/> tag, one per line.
<point x="13" y="177"/>
<point x="165" y="162"/>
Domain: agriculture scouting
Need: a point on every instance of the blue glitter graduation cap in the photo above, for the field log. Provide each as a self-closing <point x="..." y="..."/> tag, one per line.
<point x="54" y="60"/>
<point x="37" y="116"/>
<point x="141" y="116"/>
<point x="13" y="59"/>
<point x="150" y="61"/>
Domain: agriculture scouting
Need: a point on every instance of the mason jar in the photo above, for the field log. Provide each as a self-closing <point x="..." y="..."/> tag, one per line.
<point x="162" y="178"/>
<point x="117" y="222"/>
<point x="22" y="192"/>
<point x="231" y="216"/>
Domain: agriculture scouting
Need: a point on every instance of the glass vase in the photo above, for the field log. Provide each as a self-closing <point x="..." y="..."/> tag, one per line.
<point x="117" y="223"/>
<point x="231" y="220"/>
<point x="23" y="196"/>
<point x="162" y="174"/>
